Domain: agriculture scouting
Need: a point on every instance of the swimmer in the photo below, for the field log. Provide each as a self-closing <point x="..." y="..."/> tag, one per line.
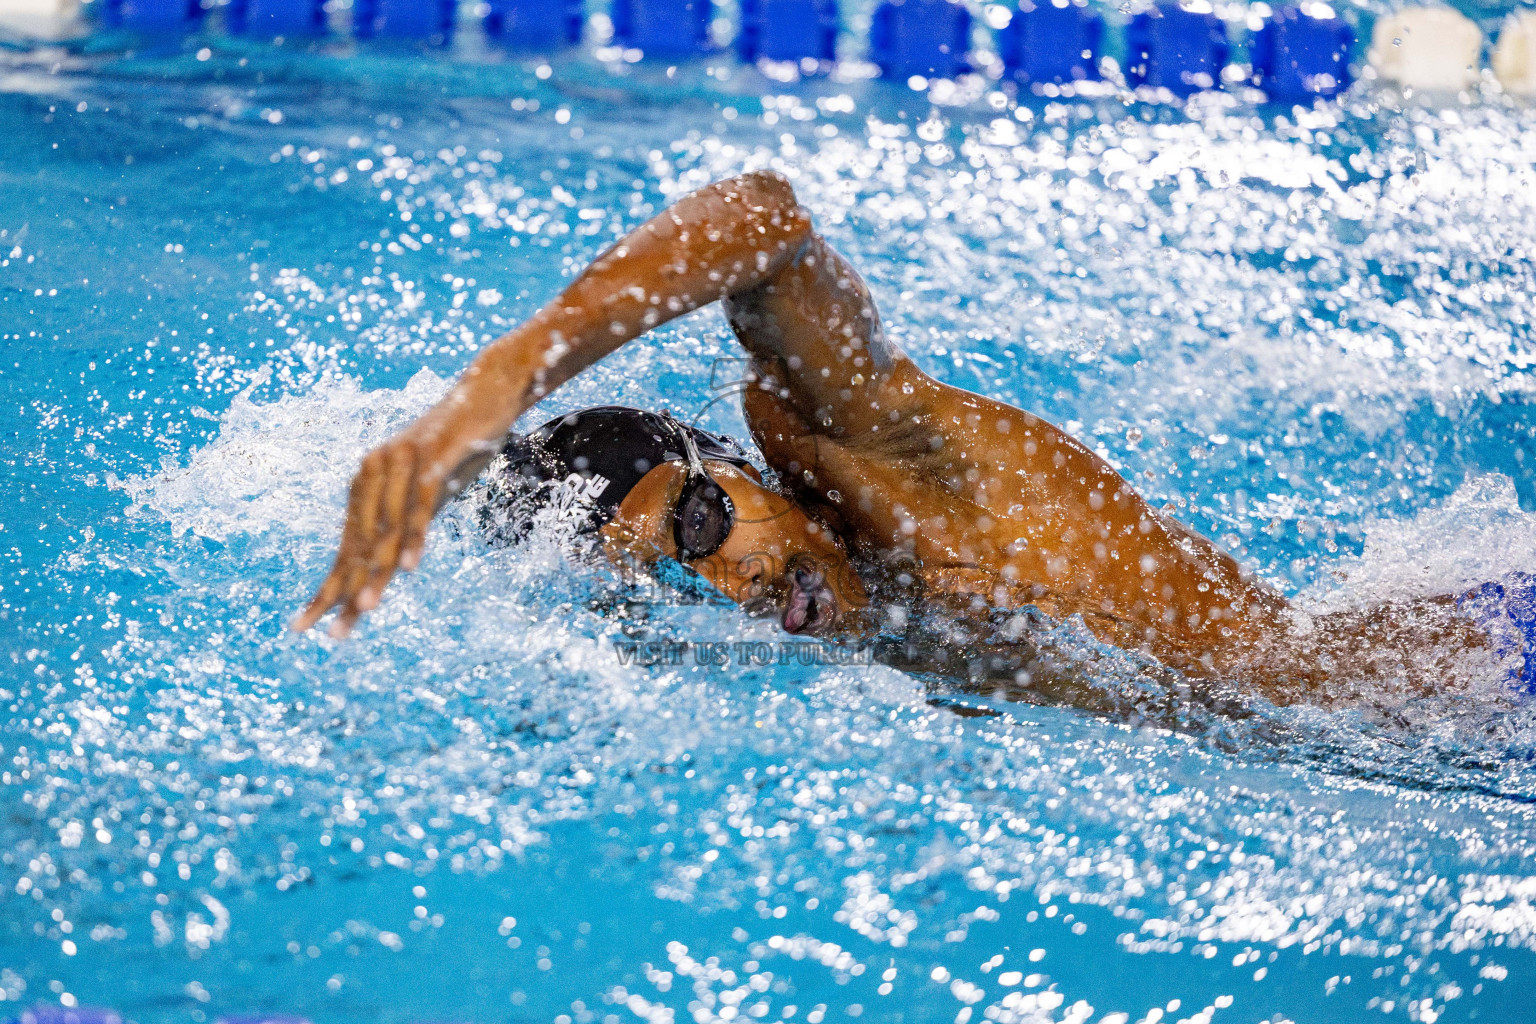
<point x="884" y="473"/>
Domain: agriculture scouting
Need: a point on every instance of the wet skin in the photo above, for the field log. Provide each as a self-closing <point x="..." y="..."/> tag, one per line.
<point x="983" y="504"/>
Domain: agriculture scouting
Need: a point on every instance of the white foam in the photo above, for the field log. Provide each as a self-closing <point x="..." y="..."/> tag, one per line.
<point x="282" y="465"/>
<point x="1478" y="534"/>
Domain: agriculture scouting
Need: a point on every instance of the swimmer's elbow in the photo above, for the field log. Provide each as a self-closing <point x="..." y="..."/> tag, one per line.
<point x="771" y="187"/>
<point x="770" y="191"/>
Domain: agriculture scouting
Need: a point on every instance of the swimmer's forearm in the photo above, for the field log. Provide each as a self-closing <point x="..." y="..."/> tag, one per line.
<point x="722" y="239"/>
<point x="725" y="238"/>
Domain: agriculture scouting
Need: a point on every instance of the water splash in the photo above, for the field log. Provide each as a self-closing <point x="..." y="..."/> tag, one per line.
<point x="1479" y="533"/>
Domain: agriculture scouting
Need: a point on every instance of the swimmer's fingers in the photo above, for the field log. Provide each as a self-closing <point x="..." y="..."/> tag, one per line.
<point x="400" y="472"/>
<point x="424" y="500"/>
<point x="352" y="560"/>
<point x="324" y="598"/>
<point x="393" y="499"/>
<point x="359" y="541"/>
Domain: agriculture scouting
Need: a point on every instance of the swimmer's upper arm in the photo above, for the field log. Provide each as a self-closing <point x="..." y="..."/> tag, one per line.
<point x="814" y="327"/>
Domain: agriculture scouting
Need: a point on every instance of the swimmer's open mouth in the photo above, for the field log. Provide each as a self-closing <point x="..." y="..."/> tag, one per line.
<point x="812" y="606"/>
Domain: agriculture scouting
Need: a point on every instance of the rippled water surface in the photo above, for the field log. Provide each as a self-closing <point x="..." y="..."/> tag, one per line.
<point x="224" y="275"/>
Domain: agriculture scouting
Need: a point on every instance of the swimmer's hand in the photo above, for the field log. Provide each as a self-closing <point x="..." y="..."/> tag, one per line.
<point x="395" y="494"/>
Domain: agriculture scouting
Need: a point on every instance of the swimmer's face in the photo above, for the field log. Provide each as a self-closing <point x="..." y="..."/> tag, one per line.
<point x="775" y="560"/>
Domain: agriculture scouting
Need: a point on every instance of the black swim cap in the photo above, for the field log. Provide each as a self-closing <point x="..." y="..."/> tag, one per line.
<point x="602" y="453"/>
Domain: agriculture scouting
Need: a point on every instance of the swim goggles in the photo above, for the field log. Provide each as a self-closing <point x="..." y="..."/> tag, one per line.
<point x="704" y="515"/>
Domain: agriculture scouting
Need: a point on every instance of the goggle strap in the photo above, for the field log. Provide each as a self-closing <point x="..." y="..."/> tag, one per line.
<point x="690" y="449"/>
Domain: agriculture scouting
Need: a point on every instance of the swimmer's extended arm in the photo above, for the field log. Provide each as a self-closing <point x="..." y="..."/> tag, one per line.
<point x="726" y="238"/>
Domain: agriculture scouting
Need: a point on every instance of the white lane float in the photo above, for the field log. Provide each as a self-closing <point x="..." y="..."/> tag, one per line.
<point x="1431" y="48"/>
<point x="1514" y="58"/>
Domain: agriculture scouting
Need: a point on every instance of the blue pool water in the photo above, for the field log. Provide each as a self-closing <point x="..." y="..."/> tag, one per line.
<point x="225" y="274"/>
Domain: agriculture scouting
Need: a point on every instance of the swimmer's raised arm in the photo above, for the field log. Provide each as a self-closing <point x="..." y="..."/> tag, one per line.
<point x="725" y="238"/>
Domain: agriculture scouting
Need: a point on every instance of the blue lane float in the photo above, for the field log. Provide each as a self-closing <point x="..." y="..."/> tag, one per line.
<point x="43" y="1013"/>
<point x="920" y="37"/>
<point x="1179" y="49"/>
<point x="1055" y="41"/>
<point x="269" y="18"/>
<point x="1297" y="56"/>
<point x="788" y="30"/>
<point x="152" y="15"/>
<point x="429" y="20"/>
<point x="534" y="24"/>
<point x="662" y="28"/>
